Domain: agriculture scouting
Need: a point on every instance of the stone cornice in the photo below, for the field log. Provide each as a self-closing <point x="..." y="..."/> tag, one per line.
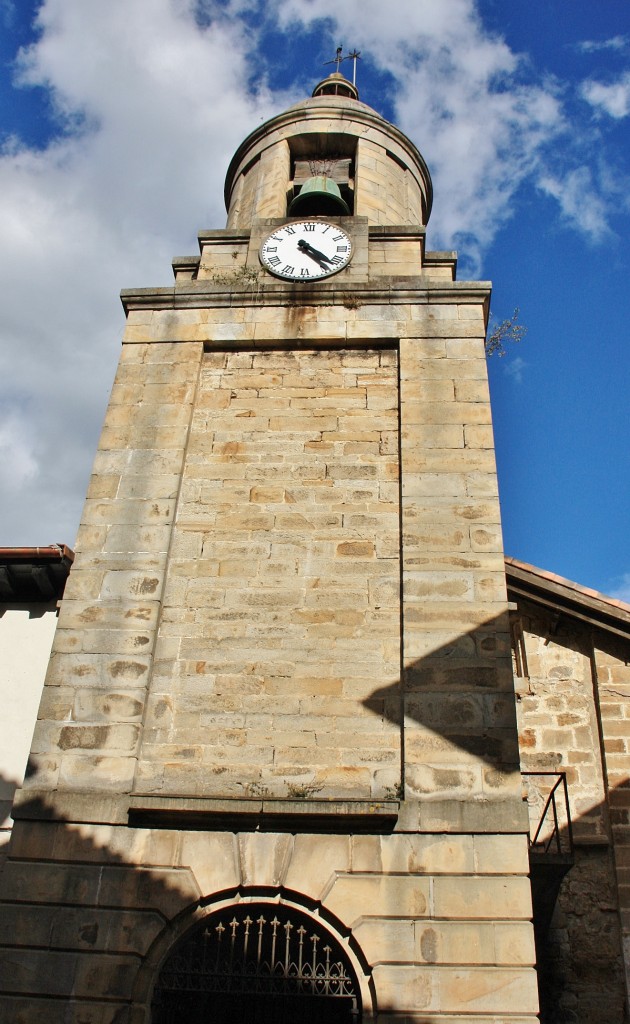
<point x="400" y="290"/>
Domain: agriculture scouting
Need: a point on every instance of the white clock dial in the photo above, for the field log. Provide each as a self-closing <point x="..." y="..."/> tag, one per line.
<point x="306" y="250"/>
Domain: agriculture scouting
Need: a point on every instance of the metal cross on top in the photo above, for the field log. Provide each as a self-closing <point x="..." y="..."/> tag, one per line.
<point x="338" y="58"/>
<point x="354" y="55"/>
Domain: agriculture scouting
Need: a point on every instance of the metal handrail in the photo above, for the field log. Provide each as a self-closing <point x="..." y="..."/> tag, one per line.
<point x="551" y="803"/>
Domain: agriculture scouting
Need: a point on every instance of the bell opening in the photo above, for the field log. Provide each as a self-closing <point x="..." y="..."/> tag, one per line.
<point x="319" y="196"/>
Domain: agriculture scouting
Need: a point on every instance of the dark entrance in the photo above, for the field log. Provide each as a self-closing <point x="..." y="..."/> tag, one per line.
<point x="257" y="963"/>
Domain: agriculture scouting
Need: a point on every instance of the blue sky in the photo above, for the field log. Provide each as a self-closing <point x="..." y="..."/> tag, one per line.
<point x="116" y="129"/>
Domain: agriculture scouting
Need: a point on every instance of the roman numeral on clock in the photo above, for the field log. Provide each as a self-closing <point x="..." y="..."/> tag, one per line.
<point x="309" y="226"/>
<point x="287" y="269"/>
<point x="274" y="261"/>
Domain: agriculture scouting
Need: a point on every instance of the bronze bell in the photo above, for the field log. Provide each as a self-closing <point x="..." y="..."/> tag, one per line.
<point x="319" y="197"/>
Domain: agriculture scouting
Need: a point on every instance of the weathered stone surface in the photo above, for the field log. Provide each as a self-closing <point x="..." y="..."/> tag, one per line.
<point x="213" y="859"/>
<point x="313" y="865"/>
<point x="264" y="858"/>
<point x="313" y="554"/>
<point x="482" y="898"/>
<point x="402" y="896"/>
<point x="290" y="553"/>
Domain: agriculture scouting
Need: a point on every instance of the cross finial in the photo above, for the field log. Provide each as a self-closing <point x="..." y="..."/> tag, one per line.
<point x="354" y="55"/>
<point x="337" y="59"/>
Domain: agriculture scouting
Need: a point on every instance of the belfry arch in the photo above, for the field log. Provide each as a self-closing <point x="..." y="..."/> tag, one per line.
<point x="258" y="960"/>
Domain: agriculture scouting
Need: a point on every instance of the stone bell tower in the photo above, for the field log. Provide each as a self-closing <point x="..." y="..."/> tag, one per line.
<point x="279" y="717"/>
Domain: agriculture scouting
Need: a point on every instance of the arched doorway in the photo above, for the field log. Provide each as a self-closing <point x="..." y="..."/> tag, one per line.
<point x="257" y="963"/>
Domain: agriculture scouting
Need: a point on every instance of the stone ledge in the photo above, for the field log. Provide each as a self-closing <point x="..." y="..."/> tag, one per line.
<point x="414" y="289"/>
<point x="379" y="231"/>
<point x="77" y="807"/>
<point x="460" y="816"/>
<point x="254" y="814"/>
<point x="434" y="817"/>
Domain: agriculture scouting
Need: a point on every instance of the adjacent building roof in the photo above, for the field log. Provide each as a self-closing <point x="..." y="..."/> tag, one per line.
<point x="563" y="595"/>
<point x="39" y="574"/>
<point x="30" y="575"/>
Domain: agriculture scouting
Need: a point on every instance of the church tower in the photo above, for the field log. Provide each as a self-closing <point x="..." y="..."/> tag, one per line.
<point x="275" y="773"/>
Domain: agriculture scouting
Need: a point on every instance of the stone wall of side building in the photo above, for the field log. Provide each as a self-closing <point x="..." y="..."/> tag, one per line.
<point x="573" y="705"/>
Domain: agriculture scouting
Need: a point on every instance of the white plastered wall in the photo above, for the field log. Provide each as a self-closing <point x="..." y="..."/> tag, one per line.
<point x="25" y="640"/>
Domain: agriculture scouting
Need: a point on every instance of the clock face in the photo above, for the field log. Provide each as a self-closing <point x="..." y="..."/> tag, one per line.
<point x="306" y="250"/>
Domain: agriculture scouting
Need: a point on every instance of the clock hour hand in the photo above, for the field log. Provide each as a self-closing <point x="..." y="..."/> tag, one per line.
<point x="312" y="251"/>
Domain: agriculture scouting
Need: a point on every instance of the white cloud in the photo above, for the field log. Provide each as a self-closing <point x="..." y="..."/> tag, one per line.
<point x="595" y="45"/>
<point x="613" y="98"/>
<point x="620" y="588"/>
<point x="514" y="368"/>
<point x="150" y="110"/>
<point x="459" y="96"/>
<point x="580" y="202"/>
<point x="163" y="104"/>
<point x="18" y="464"/>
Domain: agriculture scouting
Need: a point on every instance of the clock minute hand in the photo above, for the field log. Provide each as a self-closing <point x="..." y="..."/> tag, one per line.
<point x="312" y="251"/>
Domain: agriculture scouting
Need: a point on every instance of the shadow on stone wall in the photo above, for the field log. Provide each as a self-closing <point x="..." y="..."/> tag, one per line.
<point x="89" y="913"/>
<point x="458" y="704"/>
<point x="579" y="960"/>
<point x="581" y="971"/>
<point x="79" y="915"/>
<point x="85" y="905"/>
<point x="463" y="704"/>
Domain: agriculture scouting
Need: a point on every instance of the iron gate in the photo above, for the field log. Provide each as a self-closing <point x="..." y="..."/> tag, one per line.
<point x="257" y="963"/>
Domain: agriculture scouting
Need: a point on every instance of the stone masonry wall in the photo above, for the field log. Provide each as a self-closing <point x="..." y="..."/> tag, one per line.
<point x="93" y="701"/>
<point x="281" y="606"/>
<point x="442" y="921"/>
<point x="460" y="735"/>
<point x="175" y="536"/>
<point x="381" y="188"/>
<point x="561" y="707"/>
<point x="460" y="728"/>
<point x="613" y="679"/>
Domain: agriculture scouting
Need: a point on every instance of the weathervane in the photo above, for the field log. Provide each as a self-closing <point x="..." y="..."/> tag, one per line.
<point x="353" y="56"/>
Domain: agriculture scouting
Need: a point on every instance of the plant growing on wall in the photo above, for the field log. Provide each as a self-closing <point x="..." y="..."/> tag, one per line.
<point x="502" y="332"/>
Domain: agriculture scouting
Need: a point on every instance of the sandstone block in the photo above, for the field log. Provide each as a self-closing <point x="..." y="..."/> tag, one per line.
<point x="478" y="436"/>
<point x="487" y="990"/>
<point x="410" y="990"/>
<point x="213" y="860"/>
<point x="264" y="858"/>
<point x="483" y="898"/>
<point x="425" y="854"/>
<point x="134" y="538"/>
<point x="388" y="895"/>
<point x="55" y="971"/>
<point x="96" y="772"/>
<point x="501" y="854"/>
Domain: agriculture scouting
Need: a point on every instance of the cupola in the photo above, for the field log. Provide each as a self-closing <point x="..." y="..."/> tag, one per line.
<point x="336" y="85"/>
<point x="330" y="155"/>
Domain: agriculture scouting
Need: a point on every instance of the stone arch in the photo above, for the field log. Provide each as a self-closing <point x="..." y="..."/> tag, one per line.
<point x="318" y="971"/>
